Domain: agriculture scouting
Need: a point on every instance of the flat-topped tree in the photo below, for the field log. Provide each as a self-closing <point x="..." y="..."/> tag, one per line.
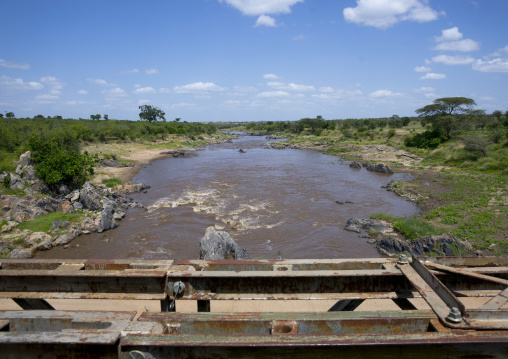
<point x="151" y="113"/>
<point x="448" y="106"/>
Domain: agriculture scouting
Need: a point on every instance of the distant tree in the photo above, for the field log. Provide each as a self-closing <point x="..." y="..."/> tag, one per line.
<point x="177" y="119"/>
<point x="57" y="117"/>
<point x="106" y="117"/>
<point x="1" y="115"/>
<point x="497" y="114"/>
<point x="405" y="121"/>
<point x="151" y="113"/>
<point x="10" y="115"/>
<point x="448" y="106"/>
<point x="95" y="117"/>
<point x="39" y="116"/>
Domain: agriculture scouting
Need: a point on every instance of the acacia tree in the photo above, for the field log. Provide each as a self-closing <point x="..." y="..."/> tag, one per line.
<point x="448" y="106"/>
<point x="10" y="115"/>
<point x="151" y="113"/>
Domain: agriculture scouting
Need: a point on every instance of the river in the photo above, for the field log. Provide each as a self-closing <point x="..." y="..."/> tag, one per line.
<point x="272" y="202"/>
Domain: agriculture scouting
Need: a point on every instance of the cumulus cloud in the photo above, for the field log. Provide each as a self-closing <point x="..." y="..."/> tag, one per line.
<point x="385" y="93"/>
<point x="198" y="87"/>
<point x="385" y="13"/>
<point x="466" y="45"/>
<point x="100" y="82"/>
<point x="19" y="84"/>
<point x="260" y="7"/>
<point x="265" y="20"/>
<point x="271" y="77"/>
<point x="433" y="76"/>
<point x="82" y="92"/>
<point x="290" y="87"/>
<point x="453" y="60"/>
<point x="326" y="89"/>
<point x="14" y="65"/>
<point x="151" y="71"/>
<point x="145" y="90"/>
<point x="494" y="65"/>
<point x="116" y="92"/>
<point x="273" y="94"/>
<point x="452" y="34"/>
<point x="422" y="69"/>
<point x="424" y="89"/>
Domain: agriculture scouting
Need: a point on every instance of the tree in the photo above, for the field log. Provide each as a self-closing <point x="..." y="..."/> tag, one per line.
<point x="151" y="113"/>
<point x="10" y="115"/>
<point x="497" y="114"/>
<point x="448" y="106"/>
<point x="106" y="117"/>
<point x="95" y="117"/>
<point x="1" y="115"/>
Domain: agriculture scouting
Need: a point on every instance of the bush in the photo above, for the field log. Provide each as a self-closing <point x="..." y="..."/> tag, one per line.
<point x="427" y="139"/>
<point x="476" y="144"/>
<point x="112" y="182"/>
<point x="391" y="133"/>
<point x="413" y="228"/>
<point x="58" y="161"/>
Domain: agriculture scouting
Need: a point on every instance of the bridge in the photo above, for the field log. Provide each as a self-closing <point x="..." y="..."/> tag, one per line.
<point x="435" y="307"/>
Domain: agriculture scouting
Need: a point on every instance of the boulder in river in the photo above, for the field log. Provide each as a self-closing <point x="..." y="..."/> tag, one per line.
<point x="355" y="164"/>
<point x="219" y="245"/>
<point x="357" y="224"/>
<point x="90" y="197"/>
<point x="380" y="167"/>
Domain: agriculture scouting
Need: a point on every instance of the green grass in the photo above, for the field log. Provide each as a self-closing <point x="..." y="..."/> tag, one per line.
<point x="383" y="216"/>
<point x="112" y="182"/>
<point x="43" y="223"/>
<point x="414" y="228"/>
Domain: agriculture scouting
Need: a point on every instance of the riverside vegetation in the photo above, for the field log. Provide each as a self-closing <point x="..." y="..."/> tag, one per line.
<point x="457" y="154"/>
<point x="46" y="197"/>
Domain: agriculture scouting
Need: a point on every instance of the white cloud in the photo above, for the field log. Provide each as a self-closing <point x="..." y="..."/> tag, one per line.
<point x="52" y="82"/>
<point x="271" y="77"/>
<point x="422" y="69"/>
<point x="183" y="105"/>
<point x="116" y="92"/>
<point x="47" y="97"/>
<point x="290" y="87"/>
<point x="385" y="13"/>
<point x="260" y="7"/>
<point x="82" y="92"/>
<point x="145" y="90"/>
<point x="100" y="82"/>
<point x="74" y="102"/>
<point x="494" y="65"/>
<point x="19" y="84"/>
<point x="151" y="71"/>
<point x="466" y="45"/>
<point x="198" y="87"/>
<point x="499" y="52"/>
<point x="424" y="89"/>
<point x="433" y="76"/>
<point x="385" y="93"/>
<point x="326" y="89"/>
<point x="452" y="34"/>
<point x="273" y="94"/>
<point x="14" y="65"/>
<point x="265" y="20"/>
<point x="453" y="60"/>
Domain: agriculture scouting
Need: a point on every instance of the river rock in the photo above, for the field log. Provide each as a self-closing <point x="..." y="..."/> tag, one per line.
<point x="21" y="253"/>
<point x="107" y="220"/>
<point x="90" y="197"/>
<point x="357" y="224"/>
<point x="380" y="167"/>
<point x="219" y="245"/>
<point x="392" y="246"/>
<point x="37" y="237"/>
<point x="355" y="165"/>
<point x="444" y="244"/>
<point x="45" y="245"/>
<point x="119" y="214"/>
<point x="9" y="226"/>
<point x="25" y="167"/>
<point x="64" y="239"/>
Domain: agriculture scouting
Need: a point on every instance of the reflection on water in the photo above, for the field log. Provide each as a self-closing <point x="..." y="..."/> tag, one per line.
<point x="273" y="202"/>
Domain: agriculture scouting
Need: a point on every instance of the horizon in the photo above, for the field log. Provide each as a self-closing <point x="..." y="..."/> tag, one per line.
<point x="250" y="60"/>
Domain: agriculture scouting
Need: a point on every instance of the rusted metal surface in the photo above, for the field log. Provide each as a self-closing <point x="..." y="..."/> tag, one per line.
<point x="344" y="331"/>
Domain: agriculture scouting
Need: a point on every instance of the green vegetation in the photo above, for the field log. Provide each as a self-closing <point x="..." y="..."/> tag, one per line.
<point x="43" y="223"/>
<point x="412" y="228"/>
<point x="112" y="182"/>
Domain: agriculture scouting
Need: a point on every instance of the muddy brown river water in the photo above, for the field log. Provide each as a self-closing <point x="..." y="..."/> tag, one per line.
<point x="272" y="202"/>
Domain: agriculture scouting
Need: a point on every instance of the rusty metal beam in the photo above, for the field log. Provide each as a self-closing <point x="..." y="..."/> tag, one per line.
<point x="467" y="273"/>
<point x="33" y="304"/>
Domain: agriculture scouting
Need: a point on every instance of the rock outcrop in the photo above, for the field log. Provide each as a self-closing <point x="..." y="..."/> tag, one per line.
<point x="219" y="245"/>
<point x="444" y="244"/>
<point x="357" y="224"/>
<point x="380" y="167"/>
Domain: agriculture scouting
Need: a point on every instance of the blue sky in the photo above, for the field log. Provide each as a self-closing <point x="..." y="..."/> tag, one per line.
<point x="250" y="60"/>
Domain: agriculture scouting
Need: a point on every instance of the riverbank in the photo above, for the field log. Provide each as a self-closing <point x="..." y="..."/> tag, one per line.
<point x="466" y="200"/>
<point x="33" y="221"/>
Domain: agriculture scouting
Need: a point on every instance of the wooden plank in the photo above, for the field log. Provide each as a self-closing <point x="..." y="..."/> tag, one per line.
<point x="497" y="302"/>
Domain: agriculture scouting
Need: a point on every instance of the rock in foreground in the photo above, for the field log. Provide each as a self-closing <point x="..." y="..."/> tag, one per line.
<point x="219" y="245"/>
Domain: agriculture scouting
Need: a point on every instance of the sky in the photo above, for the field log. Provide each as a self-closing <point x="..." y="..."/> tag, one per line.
<point x="250" y="60"/>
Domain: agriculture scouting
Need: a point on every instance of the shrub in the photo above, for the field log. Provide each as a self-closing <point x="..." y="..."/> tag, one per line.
<point x="476" y="144"/>
<point x="413" y="228"/>
<point x="58" y="161"/>
<point x="427" y="139"/>
<point x="391" y="133"/>
<point x="112" y="182"/>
